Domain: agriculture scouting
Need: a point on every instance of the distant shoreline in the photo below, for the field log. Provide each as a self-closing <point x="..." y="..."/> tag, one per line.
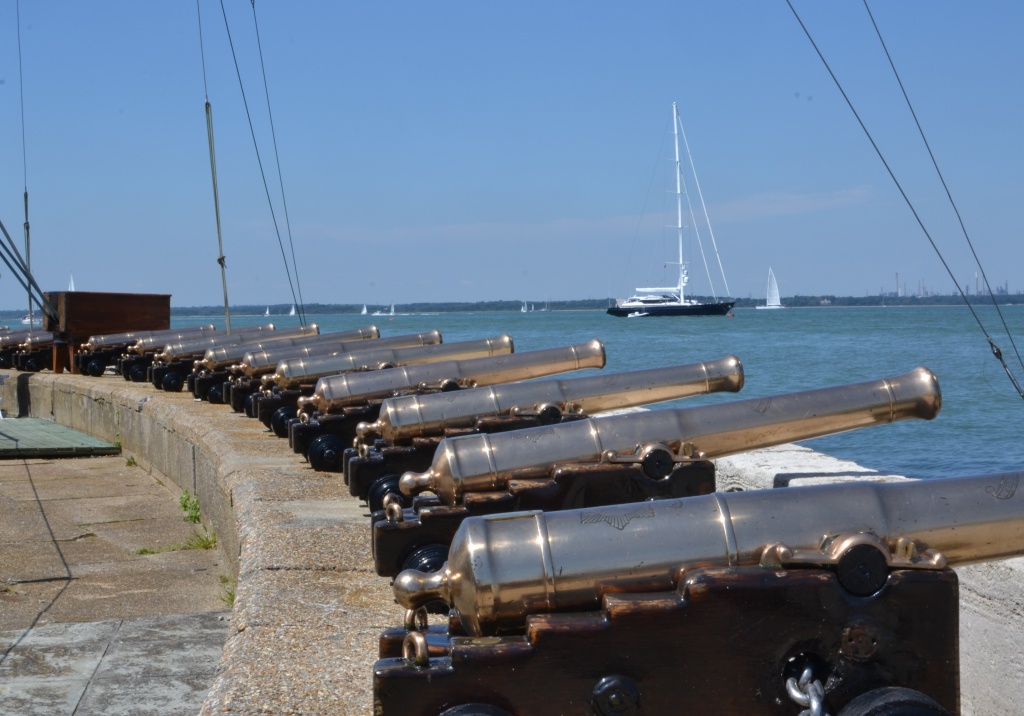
<point x="593" y="304"/>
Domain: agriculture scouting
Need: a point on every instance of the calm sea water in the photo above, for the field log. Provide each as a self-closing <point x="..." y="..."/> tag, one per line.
<point x="977" y="431"/>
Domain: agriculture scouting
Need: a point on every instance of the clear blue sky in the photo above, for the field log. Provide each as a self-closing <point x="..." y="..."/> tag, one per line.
<point x="465" y="151"/>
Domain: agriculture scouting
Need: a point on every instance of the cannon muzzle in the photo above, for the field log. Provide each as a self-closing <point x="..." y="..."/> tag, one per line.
<point x="503" y="567"/>
<point x="412" y="416"/>
<point x="476" y="463"/>
<point x="340" y="391"/>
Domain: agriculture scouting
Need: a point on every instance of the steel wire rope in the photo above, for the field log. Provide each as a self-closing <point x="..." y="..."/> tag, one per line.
<point x="693" y="217"/>
<point x="20" y="271"/>
<point x="277" y="160"/>
<point x="949" y="194"/>
<point x="259" y="160"/>
<point x="707" y="217"/>
<point x="992" y="344"/>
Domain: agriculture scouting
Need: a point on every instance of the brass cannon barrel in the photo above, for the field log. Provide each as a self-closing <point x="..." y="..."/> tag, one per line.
<point x="167" y="336"/>
<point x="194" y="348"/>
<point x="11" y="339"/>
<point x="358" y="388"/>
<point x="222" y="356"/>
<point x="412" y="416"/>
<point x="501" y="568"/>
<point x="156" y="344"/>
<point x="258" y="363"/>
<point x="36" y="339"/>
<point x="291" y="373"/>
<point x="475" y="463"/>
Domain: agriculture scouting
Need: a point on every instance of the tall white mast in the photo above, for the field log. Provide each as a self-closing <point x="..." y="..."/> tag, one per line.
<point x="679" y="202"/>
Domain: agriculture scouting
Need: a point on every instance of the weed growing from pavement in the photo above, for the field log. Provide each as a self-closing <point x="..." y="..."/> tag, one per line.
<point x="131" y="462"/>
<point x="190" y="506"/>
<point x="197" y="540"/>
<point x="227" y="586"/>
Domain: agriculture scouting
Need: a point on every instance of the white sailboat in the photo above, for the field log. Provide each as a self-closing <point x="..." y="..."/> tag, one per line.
<point x="773" y="292"/>
<point x="363" y="312"/>
<point x="672" y="301"/>
<point x="267" y="312"/>
<point x="292" y="312"/>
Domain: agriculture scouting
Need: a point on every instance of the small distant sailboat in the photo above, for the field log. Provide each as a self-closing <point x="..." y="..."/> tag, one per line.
<point x="363" y="312"/>
<point x="292" y="312"/>
<point x="267" y="312"/>
<point x="773" y="292"/>
<point x="71" y="282"/>
<point x="523" y="309"/>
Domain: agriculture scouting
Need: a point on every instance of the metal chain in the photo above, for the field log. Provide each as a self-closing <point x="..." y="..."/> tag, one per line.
<point x="808" y="693"/>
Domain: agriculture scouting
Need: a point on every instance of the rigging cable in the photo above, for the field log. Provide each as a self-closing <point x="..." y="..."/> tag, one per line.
<point x="992" y="345"/>
<point x="259" y="160"/>
<point x="213" y="172"/>
<point x="949" y="195"/>
<point x="277" y="160"/>
<point x="707" y="218"/>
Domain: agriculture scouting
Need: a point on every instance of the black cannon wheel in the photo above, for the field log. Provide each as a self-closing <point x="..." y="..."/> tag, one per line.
<point x="95" y="368"/>
<point x="173" y="382"/>
<point x="215" y="394"/>
<point x="428" y="558"/>
<point x="893" y="701"/>
<point x="326" y="452"/>
<point x="381" y="487"/>
<point x="33" y="365"/>
<point x="279" y="420"/>
<point x="137" y="373"/>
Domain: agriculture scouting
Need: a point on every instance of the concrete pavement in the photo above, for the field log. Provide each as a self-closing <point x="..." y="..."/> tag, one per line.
<point x="87" y="624"/>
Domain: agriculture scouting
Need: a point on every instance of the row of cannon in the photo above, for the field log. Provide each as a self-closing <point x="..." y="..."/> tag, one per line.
<point x="576" y="543"/>
<point x="27" y="349"/>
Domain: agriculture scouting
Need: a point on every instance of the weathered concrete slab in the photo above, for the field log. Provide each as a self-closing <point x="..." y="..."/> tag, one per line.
<point x="87" y="624"/>
<point x="153" y="665"/>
